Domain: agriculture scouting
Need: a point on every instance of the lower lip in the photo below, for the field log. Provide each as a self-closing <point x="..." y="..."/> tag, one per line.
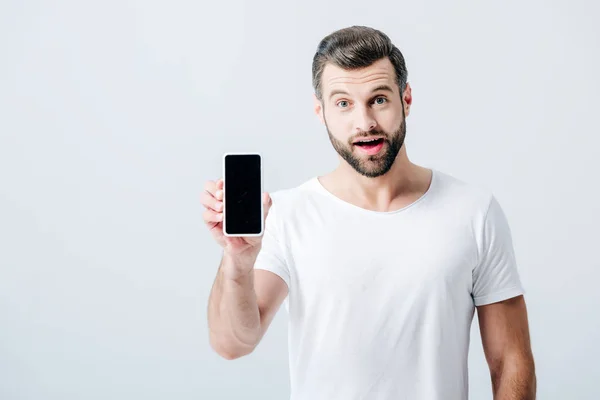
<point x="371" y="150"/>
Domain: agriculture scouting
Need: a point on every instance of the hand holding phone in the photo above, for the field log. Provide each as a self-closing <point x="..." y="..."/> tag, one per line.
<point x="242" y="235"/>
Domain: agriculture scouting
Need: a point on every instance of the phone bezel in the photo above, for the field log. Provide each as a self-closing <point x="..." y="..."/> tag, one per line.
<point x="262" y="211"/>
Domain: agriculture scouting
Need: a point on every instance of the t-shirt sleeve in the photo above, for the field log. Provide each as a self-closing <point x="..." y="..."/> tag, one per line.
<point x="495" y="277"/>
<point x="272" y="254"/>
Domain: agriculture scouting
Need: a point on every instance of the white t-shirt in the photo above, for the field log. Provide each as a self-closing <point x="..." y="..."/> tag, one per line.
<point x="381" y="303"/>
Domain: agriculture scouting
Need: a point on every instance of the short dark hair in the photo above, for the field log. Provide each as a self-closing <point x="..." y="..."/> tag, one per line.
<point x="356" y="47"/>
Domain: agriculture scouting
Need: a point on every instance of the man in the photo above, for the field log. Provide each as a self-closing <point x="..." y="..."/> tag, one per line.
<point x="381" y="262"/>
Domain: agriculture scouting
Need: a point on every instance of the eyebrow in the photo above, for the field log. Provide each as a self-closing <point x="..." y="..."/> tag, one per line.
<point x="386" y="88"/>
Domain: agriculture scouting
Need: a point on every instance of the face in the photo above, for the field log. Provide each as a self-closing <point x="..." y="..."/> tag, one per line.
<point x="364" y="115"/>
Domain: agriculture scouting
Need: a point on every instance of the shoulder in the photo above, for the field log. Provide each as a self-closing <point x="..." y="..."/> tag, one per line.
<point x="295" y="198"/>
<point x="460" y="194"/>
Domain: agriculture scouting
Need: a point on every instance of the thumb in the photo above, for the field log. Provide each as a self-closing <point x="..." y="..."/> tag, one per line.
<point x="267" y="203"/>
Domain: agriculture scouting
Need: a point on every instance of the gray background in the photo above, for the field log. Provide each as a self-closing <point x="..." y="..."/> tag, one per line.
<point x="113" y="114"/>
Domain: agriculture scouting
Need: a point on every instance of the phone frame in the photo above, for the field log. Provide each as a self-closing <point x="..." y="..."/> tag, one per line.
<point x="262" y="206"/>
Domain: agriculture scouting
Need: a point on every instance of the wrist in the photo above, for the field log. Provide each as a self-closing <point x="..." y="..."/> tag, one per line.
<point x="239" y="265"/>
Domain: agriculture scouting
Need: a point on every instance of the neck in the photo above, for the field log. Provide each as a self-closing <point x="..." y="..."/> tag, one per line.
<point x="402" y="184"/>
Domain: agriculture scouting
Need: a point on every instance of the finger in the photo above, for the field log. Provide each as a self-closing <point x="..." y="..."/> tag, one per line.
<point x="219" y="194"/>
<point x="211" y="187"/>
<point x="216" y="228"/>
<point x="211" y="217"/>
<point x="266" y="199"/>
<point x="220" y="183"/>
<point x="267" y="203"/>
<point x="211" y="203"/>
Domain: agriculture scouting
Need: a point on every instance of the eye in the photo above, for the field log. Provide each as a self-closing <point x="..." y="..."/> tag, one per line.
<point x="342" y="103"/>
<point x="380" y="100"/>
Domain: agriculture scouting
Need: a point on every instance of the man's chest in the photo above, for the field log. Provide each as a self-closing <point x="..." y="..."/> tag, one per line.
<point x="396" y="255"/>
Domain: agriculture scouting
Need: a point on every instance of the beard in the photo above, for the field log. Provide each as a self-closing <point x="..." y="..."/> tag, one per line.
<point x="375" y="165"/>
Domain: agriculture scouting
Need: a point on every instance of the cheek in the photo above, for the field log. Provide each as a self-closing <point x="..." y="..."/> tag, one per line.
<point x="390" y="121"/>
<point x="340" y="126"/>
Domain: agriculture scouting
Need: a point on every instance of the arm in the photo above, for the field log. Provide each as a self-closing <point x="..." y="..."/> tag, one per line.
<point x="242" y="306"/>
<point x="243" y="299"/>
<point x="506" y="345"/>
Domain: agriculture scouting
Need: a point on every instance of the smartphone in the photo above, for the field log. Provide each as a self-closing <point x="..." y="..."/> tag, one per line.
<point x="242" y="194"/>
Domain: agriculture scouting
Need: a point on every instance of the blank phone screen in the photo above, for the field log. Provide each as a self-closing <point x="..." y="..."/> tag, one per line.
<point x="243" y="194"/>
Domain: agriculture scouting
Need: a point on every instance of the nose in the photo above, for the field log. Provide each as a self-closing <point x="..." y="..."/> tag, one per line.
<point x="365" y="121"/>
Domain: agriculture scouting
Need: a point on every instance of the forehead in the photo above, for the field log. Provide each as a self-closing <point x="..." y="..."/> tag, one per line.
<point x="358" y="80"/>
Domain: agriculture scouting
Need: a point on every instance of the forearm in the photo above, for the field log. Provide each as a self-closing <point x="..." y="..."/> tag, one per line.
<point x="233" y="313"/>
<point x="515" y="381"/>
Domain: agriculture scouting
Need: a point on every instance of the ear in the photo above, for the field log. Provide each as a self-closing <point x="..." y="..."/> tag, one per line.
<point x="318" y="107"/>
<point x="407" y="99"/>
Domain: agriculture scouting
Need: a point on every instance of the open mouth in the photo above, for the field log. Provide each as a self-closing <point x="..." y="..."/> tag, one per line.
<point x="369" y="144"/>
